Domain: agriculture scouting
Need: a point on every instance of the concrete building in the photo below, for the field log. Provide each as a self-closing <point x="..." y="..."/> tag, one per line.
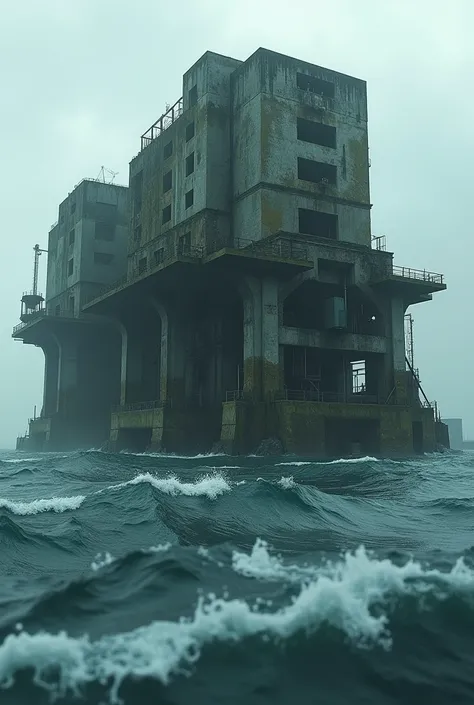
<point x="256" y="303"/>
<point x="87" y="250"/>
<point x="456" y="439"/>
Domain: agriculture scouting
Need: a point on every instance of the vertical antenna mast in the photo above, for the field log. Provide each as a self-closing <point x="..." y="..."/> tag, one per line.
<point x="409" y="339"/>
<point x="38" y="252"/>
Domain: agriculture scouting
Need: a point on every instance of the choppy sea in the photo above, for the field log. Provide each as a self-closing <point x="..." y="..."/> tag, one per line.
<point x="154" y="579"/>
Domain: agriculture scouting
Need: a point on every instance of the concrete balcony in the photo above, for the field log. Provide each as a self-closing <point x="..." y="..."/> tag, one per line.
<point x="412" y="285"/>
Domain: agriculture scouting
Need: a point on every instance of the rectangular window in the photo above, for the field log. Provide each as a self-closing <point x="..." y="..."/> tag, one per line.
<point x="316" y="133"/>
<point x="167" y="181"/>
<point x="185" y="244"/>
<point x="190" y="164"/>
<point x="142" y="265"/>
<point x="73" y="207"/>
<point x="189" y="131"/>
<point x="189" y="198"/>
<point x="358" y="377"/>
<point x="102" y="258"/>
<point x="137" y="190"/>
<point x="70" y="267"/>
<point x="72" y="236"/>
<point x="315" y="85"/>
<point x="317" y="172"/>
<point x="193" y="96"/>
<point x="166" y="214"/>
<point x="137" y="233"/>
<point x="71" y="304"/>
<point x="317" y="223"/>
<point x="167" y="150"/>
<point x="57" y="310"/>
<point x="159" y="256"/>
<point x="104" y="231"/>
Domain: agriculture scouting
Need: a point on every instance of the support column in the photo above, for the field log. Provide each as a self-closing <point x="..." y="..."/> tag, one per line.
<point x="262" y="374"/>
<point x="68" y="398"/>
<point x="172" y="354"/>
<point x="51" y="373"/>
<point x="397" y="310"/>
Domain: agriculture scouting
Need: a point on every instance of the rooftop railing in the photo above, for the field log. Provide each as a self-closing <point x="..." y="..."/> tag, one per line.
<point x="172" y="113"/>
<point x="43" y="313"/>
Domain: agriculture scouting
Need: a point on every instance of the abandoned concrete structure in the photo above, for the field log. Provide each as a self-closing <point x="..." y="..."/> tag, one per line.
<point x="254" y="302"/>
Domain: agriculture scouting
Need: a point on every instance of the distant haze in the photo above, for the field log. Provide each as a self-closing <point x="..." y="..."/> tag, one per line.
<point x="82" y="80"/>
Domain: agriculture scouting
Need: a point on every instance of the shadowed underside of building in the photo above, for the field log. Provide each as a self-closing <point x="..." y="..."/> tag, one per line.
<point x="250" y="300"/>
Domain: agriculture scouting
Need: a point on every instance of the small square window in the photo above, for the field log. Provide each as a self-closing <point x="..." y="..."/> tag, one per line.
<point x="189" y="198"/>
<point x="167" y="150"/>
<point x="72" y="236"/>
<point x="190" y="164"/>
<point x="159" y="255"/>
<point x="166" y="214"/>
<point x="189" y="131"/>
<point x="167" y="181"/>
<point x="73" y="207"/>
<point x="193" y="96"/>
<point x="70" y="267"/>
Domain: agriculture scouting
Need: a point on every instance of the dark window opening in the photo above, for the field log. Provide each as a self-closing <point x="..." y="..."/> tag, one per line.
<point x="190" y="164"/>
<point x="104" y="231"/>
<point x="166" y="214"/>
<point x="316" y="133"/>
<point x="317" y="223"/>
<point x="70" y="267"/>
<point x="102" y="258"/>
<point x="142" y="265"/>
<point x="71" y="304"/>
<point x="167" y="181"/>
<point x="61" y="220"/>
<point x="189" y="198"/>
<point x="137" y="233"/>
<point x="167" y="150"/>
<point x="317" y="172"/>
<point x="159" y="255"/>
<point x="73" y="208"/>
<point x="193" y="96"/>
<point x="315" y="85"/>
<point x="137" y="190"/>
<point x="185" y="244"/>
<point x="57" y="310"/>
<point x="189" y="131"/>
<point x="72" y="236"/>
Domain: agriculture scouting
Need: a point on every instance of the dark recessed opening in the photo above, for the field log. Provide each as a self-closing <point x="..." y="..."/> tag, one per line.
<point x="138" y="233"/>
<point x="142" y="265"/>
<point x="166" y="214"/>
<point x="317" y="172"/>
<point x="72" y="237"/>
<point x="189" y="131"/>
<point x="159" y="255"/>
<point x="193" y="96"/>
<point x="167" y="150"/>
<point x="317" y="223"/>
<point x="70" y="267"/>
<point x="315" y="85"/>
<point x="103" y="258"/>
<point x="189" y="198"/>
<point x="73" y="208"/>
<point x="137" y="190"/>
<point x="185" y="244"/>
<point x="316" y="132"/>
<point x="190" y="164"/>
<point x="167" y="181"/>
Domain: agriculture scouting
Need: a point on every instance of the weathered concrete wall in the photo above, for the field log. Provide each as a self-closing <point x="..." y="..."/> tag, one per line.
<point x="340" y="341"/>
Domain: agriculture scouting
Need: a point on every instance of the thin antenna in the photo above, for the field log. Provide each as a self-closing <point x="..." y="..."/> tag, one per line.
<point x="106" y="176"/>
<point x="37" y="251"/>
<point x="409" y="339"/>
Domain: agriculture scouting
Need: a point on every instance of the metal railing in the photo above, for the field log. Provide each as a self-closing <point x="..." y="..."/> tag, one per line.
<point x="327" y="397"/>
<point x="278" y="247"/>
<point x="139" y="406"/>
<point x="164" y="121"/>
<point x="44" y="313"/>
<point x="379" y="242"/>
<point x="418" y="274"/>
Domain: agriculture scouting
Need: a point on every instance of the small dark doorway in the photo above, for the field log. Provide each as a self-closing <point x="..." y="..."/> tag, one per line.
<point x="417" y="428"/>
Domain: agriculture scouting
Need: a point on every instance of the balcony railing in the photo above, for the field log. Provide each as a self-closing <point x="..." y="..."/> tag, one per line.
<point x="418" y="274"/>
<point x="162" y="124"/>
<point x="139" y="406"/>
<point x="44" y="313"/>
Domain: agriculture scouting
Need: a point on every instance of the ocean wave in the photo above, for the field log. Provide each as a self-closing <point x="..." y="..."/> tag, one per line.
<point x="16" y="461"/>
<point x="210" y="486"/>
<point x="37" y="506"/>
<point x="355" y="596"/>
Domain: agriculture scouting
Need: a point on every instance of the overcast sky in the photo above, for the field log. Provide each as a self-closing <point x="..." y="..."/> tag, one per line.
<point x="82" y="79"/>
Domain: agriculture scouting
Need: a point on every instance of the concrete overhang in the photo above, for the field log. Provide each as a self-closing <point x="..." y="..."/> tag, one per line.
<point x="326" y="340"/>
<point x="413" y="286"/>
<point x="230" y="259"/>
<point x="37" y="330"/>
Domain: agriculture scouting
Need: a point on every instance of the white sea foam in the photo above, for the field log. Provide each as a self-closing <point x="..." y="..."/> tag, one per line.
<point x="36" y="506"/>
<point x="101" y="560"/>
<point x="159" y="548"/>
<point x="261" y="564"/>
<point x="209" y="485"/>
<point x="21" y="460"/>
<point x="339" y="461"/>
<point x="288" y="483"/>
<point x="354" y="596"/>
<point x="296" y="463"/>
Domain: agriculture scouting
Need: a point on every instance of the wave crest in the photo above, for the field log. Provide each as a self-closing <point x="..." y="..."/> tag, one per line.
<point x="210" y="486"/>
<point x="36" y="506"/>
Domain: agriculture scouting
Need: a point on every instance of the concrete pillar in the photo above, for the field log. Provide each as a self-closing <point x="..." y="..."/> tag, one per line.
<point x="172" y="353"/>
<point x="262" y="374"/>
<point x="51" y="374"/>
<point x="397" y="309"/>
<point x="67" y="390"/>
